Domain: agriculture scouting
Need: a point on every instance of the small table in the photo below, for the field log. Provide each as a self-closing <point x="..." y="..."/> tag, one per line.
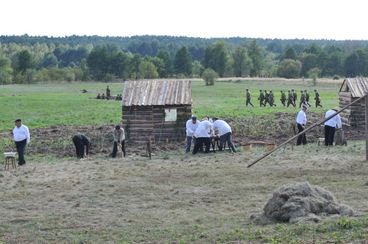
<point x="10" y="160"/>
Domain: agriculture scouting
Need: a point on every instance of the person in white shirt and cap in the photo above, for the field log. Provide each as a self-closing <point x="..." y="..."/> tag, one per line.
<point x="191" y="127"/>
<point x="21" y="138"/>
<point x="203" y="135"/>
<point x="224" y="131"/>
<point x="301" y="121"/>
<point x="331" y="125"/>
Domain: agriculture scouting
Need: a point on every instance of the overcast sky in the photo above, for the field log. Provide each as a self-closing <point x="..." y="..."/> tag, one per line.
<point x="310" y="19"/>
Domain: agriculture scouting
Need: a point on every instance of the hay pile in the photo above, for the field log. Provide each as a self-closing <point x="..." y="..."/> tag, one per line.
<point x="301" y="202"/>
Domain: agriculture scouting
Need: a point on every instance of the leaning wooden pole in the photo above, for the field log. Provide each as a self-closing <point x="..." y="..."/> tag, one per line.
<point x="311" y="127"/>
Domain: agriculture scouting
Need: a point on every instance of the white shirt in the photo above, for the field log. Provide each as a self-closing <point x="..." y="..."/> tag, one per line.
<point x="335" y="121"/>
<point x="204" y="129"/>
<point x="301" y="118"/>
<point x="191" y="128"/>
<point x="21" y="133"/>
<point x="222" y="127"/>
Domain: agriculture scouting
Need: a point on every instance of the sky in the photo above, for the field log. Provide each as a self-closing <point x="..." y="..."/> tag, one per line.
<point x="283" y="19"/>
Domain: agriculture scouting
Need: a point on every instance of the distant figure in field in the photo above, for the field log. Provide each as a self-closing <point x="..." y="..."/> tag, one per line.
<point x="98" y="96"/>
<point x="108" y="93"/>
<point x="307" y="97"/>
<point x="283" y="98"/>
<point x="119" y="141"/>
<point x="82" y="145"/>
<point x="248" y="98"/>
<point x="302" y="99"/>
<point x="267" y="98"/>
<point x="261" y="98"/>
<point x="317" y="99"/>
<point x="84" y="91"/>
<point x="103" y="96"/>
<point x="290" y="99"/>
<point x="271" y="99"/>
<point x="294" y="96"/>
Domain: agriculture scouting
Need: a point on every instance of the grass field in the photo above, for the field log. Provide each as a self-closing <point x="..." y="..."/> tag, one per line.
<point x="45" y="105"/>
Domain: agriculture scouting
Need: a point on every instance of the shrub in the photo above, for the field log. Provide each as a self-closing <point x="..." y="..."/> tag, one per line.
<point x="209" y="76"/>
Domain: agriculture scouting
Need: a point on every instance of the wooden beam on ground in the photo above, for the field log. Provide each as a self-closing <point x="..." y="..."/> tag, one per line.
<point x="314" y="125"/>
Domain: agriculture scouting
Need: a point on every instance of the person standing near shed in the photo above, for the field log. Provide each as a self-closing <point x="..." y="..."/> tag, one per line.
<point x="82" y="145"/>
<point x="301" y="121"/>
<point x="119" y="139"/>
<point x="21" y="138"/>
<point x="224" y="131"/>
<point x="191" y="127"/>
<point x="108" y="93"/>
<point x="331" y="125"/>
<point x="203" y="135"/>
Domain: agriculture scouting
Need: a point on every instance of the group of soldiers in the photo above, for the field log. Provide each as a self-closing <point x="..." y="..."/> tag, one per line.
<point x="108" y="95"/>
<point x="267" y="97"/>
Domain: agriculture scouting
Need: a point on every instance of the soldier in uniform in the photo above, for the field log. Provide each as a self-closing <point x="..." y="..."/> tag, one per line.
<point x="302" y="99"/>
<point x="108" y="93"/>
<point x="317" y="98"/>
<point x="248" y="98"/>
<point x="283" y="98"/>
<point x="307" y="97"/>
<point x="290" y="99"/>
<point x="271" y="99"/>
<point x="294" y="96"/>
<point x="267" y="98"/>
<point x="261" y="98"/>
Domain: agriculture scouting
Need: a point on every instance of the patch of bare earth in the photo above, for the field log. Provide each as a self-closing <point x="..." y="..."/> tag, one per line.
<point x="169" y="198"/>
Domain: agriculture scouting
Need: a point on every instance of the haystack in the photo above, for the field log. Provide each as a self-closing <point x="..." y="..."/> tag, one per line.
<point x="301" y="202"/>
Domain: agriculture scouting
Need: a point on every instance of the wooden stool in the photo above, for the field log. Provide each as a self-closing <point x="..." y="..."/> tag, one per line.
<point x="10" y="160"/>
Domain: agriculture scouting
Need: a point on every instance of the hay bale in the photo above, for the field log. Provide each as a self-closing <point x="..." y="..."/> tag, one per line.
<point x="302" y="202"/>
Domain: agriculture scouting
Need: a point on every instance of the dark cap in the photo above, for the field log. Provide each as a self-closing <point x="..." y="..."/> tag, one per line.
<point x="117" y="127"/>
<point x="18" y="120"/>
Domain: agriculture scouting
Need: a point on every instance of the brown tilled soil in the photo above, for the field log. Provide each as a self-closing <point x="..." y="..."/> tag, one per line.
<point x="275" y="128"/>
<point x="172" y="197"/>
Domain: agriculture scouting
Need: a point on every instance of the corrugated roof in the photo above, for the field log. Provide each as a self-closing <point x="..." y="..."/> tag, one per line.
<point x="160" y="92"/>
<point x="357" y="86"/>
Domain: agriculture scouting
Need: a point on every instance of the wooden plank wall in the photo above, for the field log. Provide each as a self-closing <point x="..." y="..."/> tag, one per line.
<point x="142" y="122"/>
<point x="355" y="115"/>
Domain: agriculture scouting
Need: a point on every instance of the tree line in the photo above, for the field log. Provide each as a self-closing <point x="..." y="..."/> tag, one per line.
<point x="25" y="59"/>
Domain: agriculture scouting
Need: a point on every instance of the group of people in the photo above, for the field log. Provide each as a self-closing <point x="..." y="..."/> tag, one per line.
<point x="208" y="132"/>
<point x="330" y="125"/>
<point x="108" y="95"/>
<point x="291" y="98"/>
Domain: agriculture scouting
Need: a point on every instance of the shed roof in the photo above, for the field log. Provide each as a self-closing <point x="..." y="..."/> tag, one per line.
<point x="159" y="92"/>
<point x="357" y="86"/>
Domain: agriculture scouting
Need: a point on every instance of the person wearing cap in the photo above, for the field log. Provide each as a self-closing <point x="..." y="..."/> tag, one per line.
<point x="331" y="125"/>
<point x="224" y="131"/>
<point x="317" y="99"/>
<point x="248" y="97"/>
<point x="21" y="137"/>
<point x="261" y="98"/>
<point x="119" y="139"/>
<point x="82" y="145"/>
<point x="191" y="127"/>
<point x="301" y="121"/>
<point x="203" y="135"/>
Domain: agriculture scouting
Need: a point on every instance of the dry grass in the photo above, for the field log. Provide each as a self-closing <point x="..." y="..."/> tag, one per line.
<point x="171" y="198"/>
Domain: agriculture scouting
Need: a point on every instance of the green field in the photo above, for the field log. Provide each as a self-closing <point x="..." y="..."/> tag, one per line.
<point x="46" y="104"/>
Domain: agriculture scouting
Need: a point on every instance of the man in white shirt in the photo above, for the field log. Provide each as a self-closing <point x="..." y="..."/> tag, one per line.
<point x="203" y="135"/>
<point x="331" y="125"/>
<point x="191" y="127"/>
<point x="301" y="121"/>
<point x="119" y="139"/>
<point x="21" y="138"/>
<point x="224" y="131"/>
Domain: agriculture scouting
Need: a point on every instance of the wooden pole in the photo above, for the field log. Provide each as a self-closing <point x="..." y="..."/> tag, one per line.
<point x="366" y="128"/>
<point x="311" y="127"/>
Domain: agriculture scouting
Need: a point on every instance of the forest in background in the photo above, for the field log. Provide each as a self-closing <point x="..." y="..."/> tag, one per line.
<point x="28" y="59"/>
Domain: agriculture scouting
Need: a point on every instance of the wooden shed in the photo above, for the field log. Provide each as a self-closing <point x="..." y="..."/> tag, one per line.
<point x="156" y="110"/>
<point x="350" y="90"/>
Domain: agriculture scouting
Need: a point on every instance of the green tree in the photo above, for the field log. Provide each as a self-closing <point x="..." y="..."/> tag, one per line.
<point x="167" y="68"/>
<point x="147" y="70"/>
<point x="216" y="57"/>
<point x="5" y="70"/>
<point x="357" y="63"/>
<point x="255" y="54"/>
<point x="290" y="54"/>
<point x="314" y="74"/>
<point x="183" y="62"/>
<point x="309" y="61"/>
<point x="24" y="62"/>
<point x="209" y="76"/>
<point x="241" y="62"/>
<point x="289" y="68"/>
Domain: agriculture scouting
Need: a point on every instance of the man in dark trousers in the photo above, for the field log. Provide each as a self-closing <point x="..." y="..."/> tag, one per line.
<point x="307" y="97"/>
<point x="261" y="98"/>
<point x="294" y="95"/>
<point x="248" y="98"/>
<point x="271" y="99"/>
<point x="301" y="121"/>
<point x="331" y="125"/>
<point x="266" y="98"/>
<point x="302" y="99"/>
<point x="81" y="143"/>
<point x="283" y="98"/>
<point x="290" y="99"/>
<point x="21" y="138"/>
<point x="317" y="99"/>
<point x="119" y="139"/>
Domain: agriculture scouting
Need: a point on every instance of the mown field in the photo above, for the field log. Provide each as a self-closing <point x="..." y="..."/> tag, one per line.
<point x="45" y="105"/>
